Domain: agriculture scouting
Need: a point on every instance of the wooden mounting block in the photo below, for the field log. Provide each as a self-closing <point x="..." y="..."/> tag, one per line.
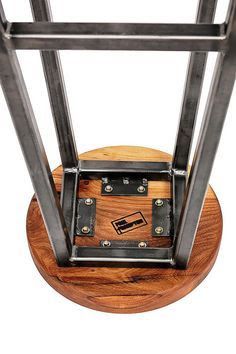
<point x="125" y="289"/>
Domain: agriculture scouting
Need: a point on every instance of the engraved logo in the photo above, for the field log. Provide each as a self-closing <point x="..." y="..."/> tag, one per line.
<point x="129" y="223"/>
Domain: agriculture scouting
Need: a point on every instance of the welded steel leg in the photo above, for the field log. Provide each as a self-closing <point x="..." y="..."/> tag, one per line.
<point x="56" y="90"/>
<point x="60" y="109"/>
<point x="17" y="98"/>
<point x="192" y="94"/>
<point x="68" y="200"/>
<point x="212" y="125"/>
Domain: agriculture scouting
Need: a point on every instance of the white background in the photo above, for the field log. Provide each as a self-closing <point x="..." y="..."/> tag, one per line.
<point x="116" y="98"/>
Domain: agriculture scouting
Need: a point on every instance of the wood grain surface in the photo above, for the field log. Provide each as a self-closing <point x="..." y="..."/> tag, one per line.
<point x="125" y="289"/>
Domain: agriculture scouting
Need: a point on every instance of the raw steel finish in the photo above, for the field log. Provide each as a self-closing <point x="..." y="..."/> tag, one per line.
<point x="188" y="192"/>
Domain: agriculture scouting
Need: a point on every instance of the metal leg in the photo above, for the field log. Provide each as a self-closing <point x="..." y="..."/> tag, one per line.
<point x="56" y="90"/>
<point x="68" y="200"/>
<point x="213" y="120"/>
<point x="47" y="36"/>
<point x="192" y="94"/>
<point x="29" y="137"/>
<point x="60" y="109"/>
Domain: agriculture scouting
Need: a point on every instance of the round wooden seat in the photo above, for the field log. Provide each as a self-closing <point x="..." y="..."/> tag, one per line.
<point x="125" y="289"/>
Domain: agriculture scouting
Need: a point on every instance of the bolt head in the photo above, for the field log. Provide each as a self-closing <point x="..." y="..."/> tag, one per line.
<point x="85" y="229"/>
<point x="141" y="189"/>
<point x="108" y="188"/>
<point x="159" y="230"/>
<point x="106" y="243"/>
<point x="142" y="244"/>
<point x="88" y="201"/>
<point x="159" y="202"/>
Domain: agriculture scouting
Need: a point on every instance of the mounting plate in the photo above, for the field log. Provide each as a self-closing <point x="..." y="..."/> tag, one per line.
<point x="86" y="215"/>
<point x="123" y="243"/>
<point x="161" y="217"/>
<point x="125" y="186"/>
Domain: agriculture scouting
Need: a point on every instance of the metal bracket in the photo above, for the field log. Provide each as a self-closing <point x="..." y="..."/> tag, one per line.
<point x="161" y="217"/>
<point x="86" y="215"/>
<point x="123" y="243"/>
<point x="125" y="186"/>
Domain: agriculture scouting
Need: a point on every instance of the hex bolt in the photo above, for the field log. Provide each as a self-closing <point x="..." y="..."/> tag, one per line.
<point x="159" y="202"/>
<point x="159" y="230"/>
<point x="106" y="243"/>
<point x="85" y="229"/>
<point x="141" y="189"/>
<point x="88" y="201"/>
<point x="142" y="244"/>
<point x="108" y="188"/>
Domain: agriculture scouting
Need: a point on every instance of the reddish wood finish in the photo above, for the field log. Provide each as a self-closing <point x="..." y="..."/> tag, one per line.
<point x="121" y="289"/>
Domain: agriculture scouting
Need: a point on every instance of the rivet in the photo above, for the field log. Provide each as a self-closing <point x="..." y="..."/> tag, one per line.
<point x="88" y="201"/>
<point x="159" y="202"/>
<point x="106" y="243"/>
<point x="108" y="188"/>
<point x="159" y="230"/>
<point x="85" y="229"/>
<point x="141" y="189"/>
<point x="142" y="244"/>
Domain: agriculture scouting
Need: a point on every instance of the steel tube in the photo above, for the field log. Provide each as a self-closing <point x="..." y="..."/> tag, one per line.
<point x="192" y="94"/>
<point x="116" y="36"/>
<point x="212" y="125"/>
<point x="178" y="190"/>
<point x="56" y="90"/>
<point x="96" y="169"/>
<point x="18" y="101"/>
<point x="127" y="254"/>
<point x="68" y="200"/>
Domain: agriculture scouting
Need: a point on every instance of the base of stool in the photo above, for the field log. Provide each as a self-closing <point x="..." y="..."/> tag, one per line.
<point x="122" y="288"/>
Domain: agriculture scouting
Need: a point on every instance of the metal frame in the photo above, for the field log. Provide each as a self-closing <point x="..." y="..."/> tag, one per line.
<point x="188" y="192"/>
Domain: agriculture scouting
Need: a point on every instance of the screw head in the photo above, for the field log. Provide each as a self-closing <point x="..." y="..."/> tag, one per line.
<point x="141" y="189"/>
<point x="108" y="188"/>
<point x="142" y="244"/>
<point x="106" y="243"/>
<point x="159" y="202"/>
<point x="88" y="201"/>
<point x="126" y="180"/>
<point x="85" y="229"/>
<point x="159" y="230"/>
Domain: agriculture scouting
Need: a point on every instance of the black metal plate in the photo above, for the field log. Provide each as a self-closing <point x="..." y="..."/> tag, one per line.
<point x="125" y="186"/>
<point x="162" y="217"/>
<point x="123" y="243"/>
<point x="85" y="217"/>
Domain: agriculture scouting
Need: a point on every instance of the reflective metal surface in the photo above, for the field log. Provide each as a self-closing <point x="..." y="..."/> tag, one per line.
<point x="187" y="198"/>
<point x="56" y="90"/>
<point x="19" y="105"/>
<point x="116" y="36"/>
<point x="119" y="254"/>
<point x="209" y="137"/>
<point x="192" y="94"/>
<point x="96" y="169"/>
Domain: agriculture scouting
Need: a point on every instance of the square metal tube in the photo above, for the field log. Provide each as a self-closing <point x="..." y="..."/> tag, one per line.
<point x="18" y="101"/>
<point x="56" y="90"/>
<point x="41" y="11"/>
<point x="209" y="137"/>
<point x="192" y="94"/>
<point x="200" y="37"/>
<point x="116" y="36"/>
